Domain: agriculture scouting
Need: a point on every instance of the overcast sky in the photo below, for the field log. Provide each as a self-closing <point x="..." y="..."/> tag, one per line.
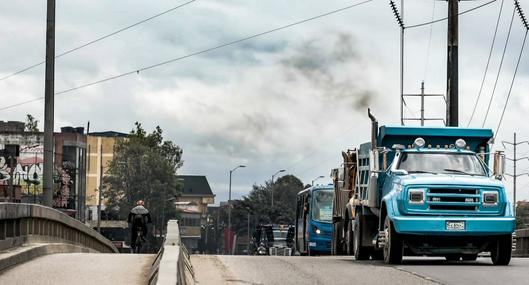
<point x="292" y="99"/>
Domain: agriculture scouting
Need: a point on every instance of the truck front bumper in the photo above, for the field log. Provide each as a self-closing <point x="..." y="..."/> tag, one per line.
<point x="436" y="225"/>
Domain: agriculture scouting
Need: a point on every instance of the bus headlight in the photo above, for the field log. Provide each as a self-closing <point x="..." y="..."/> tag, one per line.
<point x="316" y="230"/>
<point x="416" y="196"/>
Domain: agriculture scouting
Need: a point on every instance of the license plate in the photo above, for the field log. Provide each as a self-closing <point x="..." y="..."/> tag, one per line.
<point x="455" y="225"/>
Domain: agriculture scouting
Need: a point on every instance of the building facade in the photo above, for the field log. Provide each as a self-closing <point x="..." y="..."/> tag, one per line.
<point x="192" y="204"/>
<point x="100" y="148"/>
<point x="69" y="173"/>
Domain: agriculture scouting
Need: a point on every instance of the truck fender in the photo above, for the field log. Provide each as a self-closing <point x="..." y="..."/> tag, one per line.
<point x="388" y="207"/>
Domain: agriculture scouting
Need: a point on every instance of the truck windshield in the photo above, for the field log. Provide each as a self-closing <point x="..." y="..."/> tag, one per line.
<point x="322" y="205"/>
<point x="442" y="162"/>
<point x="280" y="235"/>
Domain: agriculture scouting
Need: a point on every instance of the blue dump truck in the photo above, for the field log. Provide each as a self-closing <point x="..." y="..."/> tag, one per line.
<point x="313" y="227"/>
<point x="422" y="191"/>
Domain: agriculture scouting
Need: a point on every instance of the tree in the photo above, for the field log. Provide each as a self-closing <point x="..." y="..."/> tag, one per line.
<point x="144" y="168"/>
<point x="258" y="202"/>
<point x="31" y="124"/>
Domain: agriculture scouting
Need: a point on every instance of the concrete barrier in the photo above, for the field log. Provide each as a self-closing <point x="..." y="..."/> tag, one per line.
<point x="172" y="264"/>
<point x="30" y="223"/>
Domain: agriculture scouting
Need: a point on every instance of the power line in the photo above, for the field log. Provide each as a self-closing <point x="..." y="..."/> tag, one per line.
<point x="446" y="18"/>
<point x="488" y="62"/>
<point x="98" y="39"/>
<point x="499" y="69"/>
<point x="526" y="25"/>
<point x="190" y="55"/>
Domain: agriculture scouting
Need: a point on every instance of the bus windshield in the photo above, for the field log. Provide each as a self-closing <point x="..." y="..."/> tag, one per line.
<point x="322" y="205"/>
<point x="442" y="162"/>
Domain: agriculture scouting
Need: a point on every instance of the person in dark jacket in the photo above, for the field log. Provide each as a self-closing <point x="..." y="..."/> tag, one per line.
<point x="138" y="218"/>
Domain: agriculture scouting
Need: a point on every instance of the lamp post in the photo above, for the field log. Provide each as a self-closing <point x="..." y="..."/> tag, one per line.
<point x="314" y="180"/>
<point x="229" y="203"/>
<point x="279" y="171"/>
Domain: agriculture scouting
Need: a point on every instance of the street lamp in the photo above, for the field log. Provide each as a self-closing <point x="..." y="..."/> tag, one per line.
<point x="229" y="201"/>
<point x="319" y="177"/>
<point x="279" y="171"/>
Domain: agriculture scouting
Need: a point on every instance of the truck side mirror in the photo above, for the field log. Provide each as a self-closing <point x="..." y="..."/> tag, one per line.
<point x="499" y="165"/>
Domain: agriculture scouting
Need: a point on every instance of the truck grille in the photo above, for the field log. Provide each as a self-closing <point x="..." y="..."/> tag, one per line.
<point x="453" y="199"/>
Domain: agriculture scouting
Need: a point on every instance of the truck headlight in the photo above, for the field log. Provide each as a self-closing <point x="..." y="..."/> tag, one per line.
<point x="490" y="198"/>
<point x="416" y="196"/>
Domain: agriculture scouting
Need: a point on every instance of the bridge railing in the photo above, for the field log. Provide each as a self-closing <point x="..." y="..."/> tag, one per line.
<point x="172" y="264"/>
<point x="31" y="223"/>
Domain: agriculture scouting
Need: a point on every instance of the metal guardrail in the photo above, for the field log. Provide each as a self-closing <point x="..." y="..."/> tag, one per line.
<point x="172" y="264"/>
<point x="31" y="223"/>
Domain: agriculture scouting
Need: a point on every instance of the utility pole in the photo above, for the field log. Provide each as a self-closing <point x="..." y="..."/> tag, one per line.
<point x="423" y="96"/>
<point x="515" y="160"/>
<point x="452" y="84"/>
<point x="400" y="22"/>
<point x="49" y="90"/>
<point x="100" y="187"/>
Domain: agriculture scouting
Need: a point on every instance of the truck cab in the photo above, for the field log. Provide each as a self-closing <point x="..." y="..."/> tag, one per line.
<point x="424" y="191"/>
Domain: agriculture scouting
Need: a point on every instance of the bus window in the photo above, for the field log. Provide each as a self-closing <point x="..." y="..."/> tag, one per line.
<point x="322" y="206"/>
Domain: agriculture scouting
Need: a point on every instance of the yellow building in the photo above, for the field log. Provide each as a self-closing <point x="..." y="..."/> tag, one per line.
<point x="100" y="149"/>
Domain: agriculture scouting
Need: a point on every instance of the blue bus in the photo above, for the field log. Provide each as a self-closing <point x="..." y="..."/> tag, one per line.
<point x="313" y="227"/>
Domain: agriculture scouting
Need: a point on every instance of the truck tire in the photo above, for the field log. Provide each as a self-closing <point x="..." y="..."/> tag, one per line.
<point x="360" y="252"/>
<point x="394" y="247"/>
<point x="349" y="238"/>
<point x="501" y="250"/>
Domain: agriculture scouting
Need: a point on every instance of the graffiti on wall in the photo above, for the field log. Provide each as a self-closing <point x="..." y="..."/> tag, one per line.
<point x="28" y="172"/>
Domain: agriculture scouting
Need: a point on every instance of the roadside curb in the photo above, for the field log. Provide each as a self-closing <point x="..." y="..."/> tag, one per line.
<point x="28" y="252"/>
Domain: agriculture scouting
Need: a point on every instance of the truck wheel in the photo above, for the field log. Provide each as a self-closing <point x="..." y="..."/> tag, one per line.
<point x="360" y="252"/>
<point x="349" y="238"/>
<point x="394" y="246"/>
<point x="469" y="257"/>
<point x="500" y="252"/>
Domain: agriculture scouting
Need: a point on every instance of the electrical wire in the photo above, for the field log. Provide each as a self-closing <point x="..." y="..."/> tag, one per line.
<point x="99" y="39"/>
<point x="191" y="54"/>
<point x="512" y="83"/>
<point x="499" y="69"/>
<point x="446" y="18"/>
<point x="487" y="66"/>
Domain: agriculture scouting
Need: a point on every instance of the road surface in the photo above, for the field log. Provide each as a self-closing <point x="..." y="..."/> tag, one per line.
<point x="80" y="269"/>
<point x="223" y="269"/>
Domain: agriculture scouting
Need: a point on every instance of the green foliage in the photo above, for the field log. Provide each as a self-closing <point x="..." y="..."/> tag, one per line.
<point x="258" y="202"/>
<point x="31" y="124"/>
<point x="143" y="168"/>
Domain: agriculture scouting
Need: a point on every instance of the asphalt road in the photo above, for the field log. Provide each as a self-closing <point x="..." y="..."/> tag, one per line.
<point x="223" y="269"/>
<point x="81" y="268"/>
